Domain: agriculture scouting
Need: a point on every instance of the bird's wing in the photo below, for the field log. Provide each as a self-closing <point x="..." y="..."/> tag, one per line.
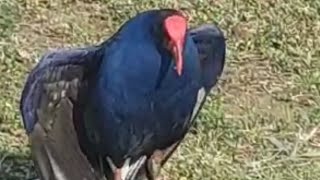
<point x="211" y="45"/>
<point x="49" y="98"/>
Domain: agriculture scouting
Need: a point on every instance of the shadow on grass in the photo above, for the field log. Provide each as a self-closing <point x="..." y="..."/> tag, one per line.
<point x="16" y="166"/>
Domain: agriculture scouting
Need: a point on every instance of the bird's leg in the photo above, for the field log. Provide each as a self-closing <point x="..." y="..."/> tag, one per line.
<point x="154" y="164"/>
<point x="158" y="159"/>
<point x="117" y="174"/>
<point x="116" y="171"/>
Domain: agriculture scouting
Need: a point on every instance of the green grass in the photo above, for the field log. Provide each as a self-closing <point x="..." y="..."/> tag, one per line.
<point x="263" y="120"/>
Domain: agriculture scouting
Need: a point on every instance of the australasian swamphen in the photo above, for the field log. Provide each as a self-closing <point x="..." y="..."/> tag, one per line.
<point x="121" y="108"/>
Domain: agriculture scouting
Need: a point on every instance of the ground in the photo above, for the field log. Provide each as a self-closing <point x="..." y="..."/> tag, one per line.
<point x="261" y="122"/>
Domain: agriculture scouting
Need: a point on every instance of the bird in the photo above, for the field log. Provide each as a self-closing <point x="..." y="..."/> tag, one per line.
<point x="119" y="109"/>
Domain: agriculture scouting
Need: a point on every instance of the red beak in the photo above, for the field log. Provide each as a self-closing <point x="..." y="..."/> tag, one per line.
<point x="176" y="27"/>
<point x="177" y="52"/>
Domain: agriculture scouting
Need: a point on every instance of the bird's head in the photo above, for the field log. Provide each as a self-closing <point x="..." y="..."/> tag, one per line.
<point x="166" y="28"/>
<point x="171" y="31"/>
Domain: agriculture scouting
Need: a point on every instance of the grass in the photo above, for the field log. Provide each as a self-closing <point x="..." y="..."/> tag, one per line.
<point x="263" y="120"/>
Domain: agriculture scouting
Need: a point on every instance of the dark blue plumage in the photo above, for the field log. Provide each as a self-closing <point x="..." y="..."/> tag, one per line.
<point x="212" y="49"/>
<point x="125" y="95"/>
<point x="133" y="110"/>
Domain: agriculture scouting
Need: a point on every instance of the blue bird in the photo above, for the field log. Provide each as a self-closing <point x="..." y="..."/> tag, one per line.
<point x="118" y="110"/>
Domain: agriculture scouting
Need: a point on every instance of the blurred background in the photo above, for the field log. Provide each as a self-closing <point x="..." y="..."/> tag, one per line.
<point x="263" y="120"/>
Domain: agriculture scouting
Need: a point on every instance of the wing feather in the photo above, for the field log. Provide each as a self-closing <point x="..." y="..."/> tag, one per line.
<point x="49" y="98"/>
